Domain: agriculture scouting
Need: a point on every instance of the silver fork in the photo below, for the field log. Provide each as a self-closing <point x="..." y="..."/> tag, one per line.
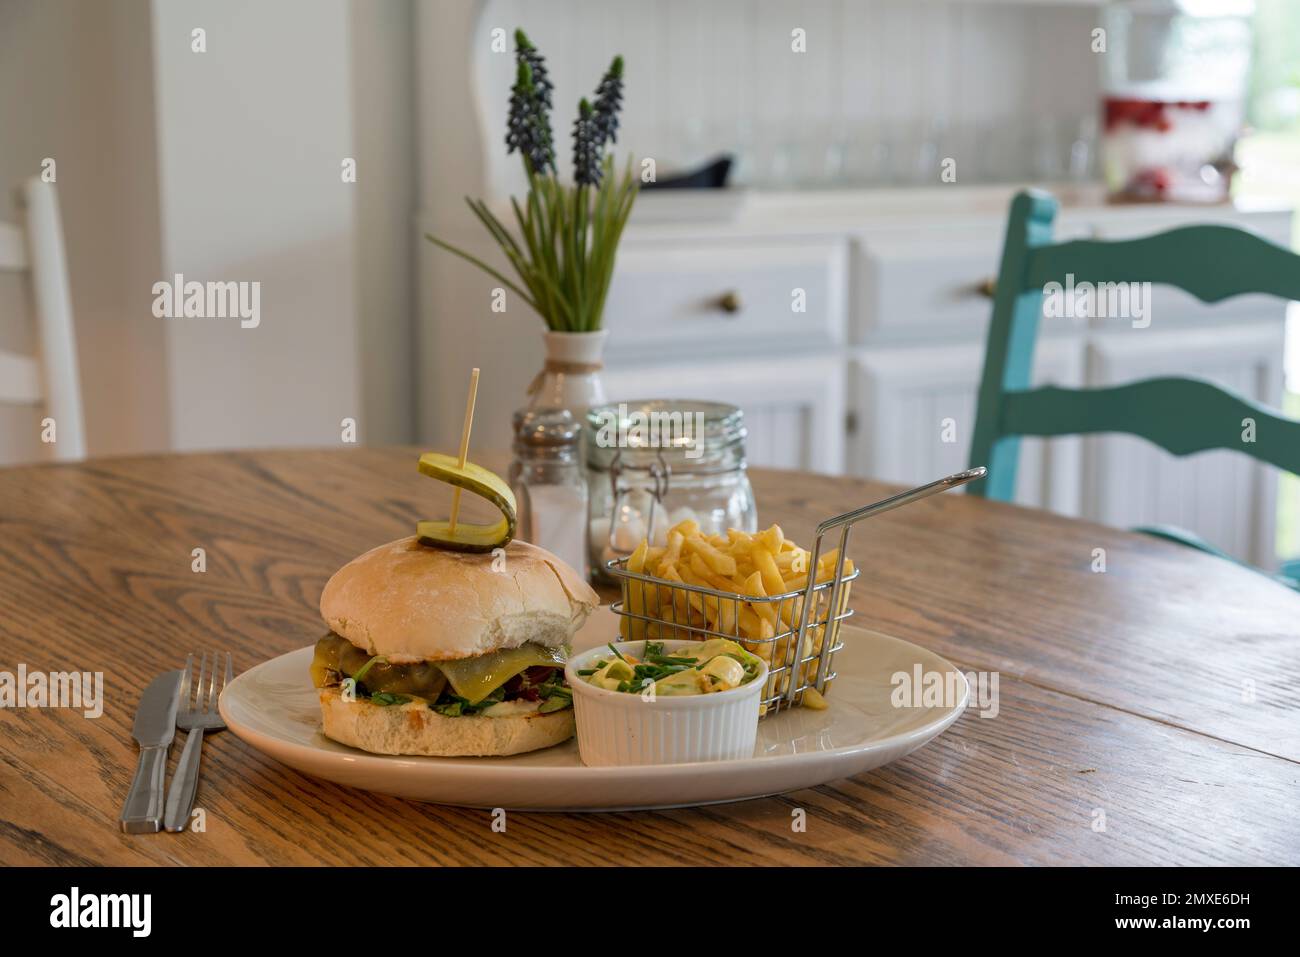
<point x="195" y="717"/>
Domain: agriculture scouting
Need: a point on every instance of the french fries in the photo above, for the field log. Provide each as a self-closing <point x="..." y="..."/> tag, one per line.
<point x="755" y="569"/>
<point x="632" y="628"/>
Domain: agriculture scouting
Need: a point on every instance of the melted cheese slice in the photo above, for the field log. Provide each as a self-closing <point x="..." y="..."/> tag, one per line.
<point x="475" y="678"/>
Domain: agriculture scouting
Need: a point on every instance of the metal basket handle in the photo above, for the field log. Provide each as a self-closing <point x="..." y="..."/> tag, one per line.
<point x="845" y="523"/>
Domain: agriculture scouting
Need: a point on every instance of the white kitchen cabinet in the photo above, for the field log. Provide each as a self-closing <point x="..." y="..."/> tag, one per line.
<point x="914" y="409"/>
<point x="1224" y="496"/>
<point x="794" y="409"/>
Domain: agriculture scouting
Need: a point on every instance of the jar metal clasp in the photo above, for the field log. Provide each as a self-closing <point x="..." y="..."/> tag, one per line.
<point x="661" y="477"/>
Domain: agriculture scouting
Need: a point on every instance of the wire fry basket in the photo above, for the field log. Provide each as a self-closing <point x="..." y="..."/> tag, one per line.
<point x="797" y="633"/>
<point x="804" y="643"/>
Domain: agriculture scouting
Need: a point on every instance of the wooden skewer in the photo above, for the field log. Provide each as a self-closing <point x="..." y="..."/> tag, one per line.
<point x="464" y="445"/>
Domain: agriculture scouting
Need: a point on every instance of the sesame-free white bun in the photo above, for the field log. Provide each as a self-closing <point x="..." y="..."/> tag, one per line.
<point x="413" y="602"/>
<point x="414" y="728"/>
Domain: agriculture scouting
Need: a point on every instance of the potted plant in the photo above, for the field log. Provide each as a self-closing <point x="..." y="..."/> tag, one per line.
<point x="566" y="235"/>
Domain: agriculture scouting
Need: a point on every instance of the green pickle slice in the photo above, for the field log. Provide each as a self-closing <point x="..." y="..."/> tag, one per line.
<point x="469" y="536"/>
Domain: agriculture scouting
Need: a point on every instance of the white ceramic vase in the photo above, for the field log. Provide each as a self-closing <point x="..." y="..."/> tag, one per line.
<point x="570" y="379"/>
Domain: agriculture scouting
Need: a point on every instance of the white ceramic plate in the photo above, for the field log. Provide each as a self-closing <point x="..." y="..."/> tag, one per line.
<point x="273" y="707"/>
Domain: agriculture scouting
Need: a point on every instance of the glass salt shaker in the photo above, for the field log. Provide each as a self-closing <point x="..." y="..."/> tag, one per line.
<point x="549" y="485"/>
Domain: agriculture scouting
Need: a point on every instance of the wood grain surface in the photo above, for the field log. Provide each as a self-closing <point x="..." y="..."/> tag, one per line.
<point x="1163" y="693"/>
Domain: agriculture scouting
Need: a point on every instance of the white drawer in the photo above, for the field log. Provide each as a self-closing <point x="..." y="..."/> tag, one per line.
<point x="936" y="276"/>
<point x="925" y="276"/>
<point x="732" y="295"/>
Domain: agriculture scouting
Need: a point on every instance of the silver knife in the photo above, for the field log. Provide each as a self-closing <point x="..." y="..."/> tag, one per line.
<point x="155" y="726"/>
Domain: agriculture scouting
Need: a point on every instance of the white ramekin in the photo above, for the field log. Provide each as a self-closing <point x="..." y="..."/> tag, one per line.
<point x="619" y="728"/>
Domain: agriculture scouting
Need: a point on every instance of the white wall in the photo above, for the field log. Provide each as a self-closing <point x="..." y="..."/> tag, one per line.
<point x="251" y="135"/>
<point x="383" y="105"/>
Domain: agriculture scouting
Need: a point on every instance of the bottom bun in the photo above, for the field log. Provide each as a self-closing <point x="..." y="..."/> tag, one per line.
<point x="415" y="728"/>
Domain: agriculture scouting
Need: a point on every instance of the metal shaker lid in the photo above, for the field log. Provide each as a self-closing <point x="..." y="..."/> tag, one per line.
<point x="546" y="429"/>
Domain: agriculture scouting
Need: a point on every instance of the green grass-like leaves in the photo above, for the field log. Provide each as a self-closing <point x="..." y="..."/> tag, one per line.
<point x="567" y="242"/>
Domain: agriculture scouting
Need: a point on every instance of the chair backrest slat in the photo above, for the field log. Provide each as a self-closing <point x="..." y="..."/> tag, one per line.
<point x="1181" y="416"/>
<point x="1212" y="263"/>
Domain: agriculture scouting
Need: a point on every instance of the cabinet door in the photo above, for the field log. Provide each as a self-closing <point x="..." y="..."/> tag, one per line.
<point x="794" y="409"/>
<point x="1224" y="496"/>
<point x="914" y="413"/>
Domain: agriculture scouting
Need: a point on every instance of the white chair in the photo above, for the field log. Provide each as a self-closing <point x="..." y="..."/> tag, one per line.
<point x="50" y="378"/>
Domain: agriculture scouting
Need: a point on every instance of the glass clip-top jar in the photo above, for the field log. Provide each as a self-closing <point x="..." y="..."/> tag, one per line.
<point x="652" y="463"/>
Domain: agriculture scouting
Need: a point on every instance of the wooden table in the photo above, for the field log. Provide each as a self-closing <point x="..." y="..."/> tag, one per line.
<point x="1162" y="693"/>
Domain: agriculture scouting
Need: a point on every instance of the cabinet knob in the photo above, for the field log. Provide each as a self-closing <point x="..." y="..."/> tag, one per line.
<point x="730" y="302"/>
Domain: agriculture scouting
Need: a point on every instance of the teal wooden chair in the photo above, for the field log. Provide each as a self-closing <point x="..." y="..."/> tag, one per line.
<point x="1181" y="415"/>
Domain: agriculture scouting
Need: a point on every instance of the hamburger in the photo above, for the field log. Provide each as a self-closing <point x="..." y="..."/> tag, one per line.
<point x="439" y="652"/>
